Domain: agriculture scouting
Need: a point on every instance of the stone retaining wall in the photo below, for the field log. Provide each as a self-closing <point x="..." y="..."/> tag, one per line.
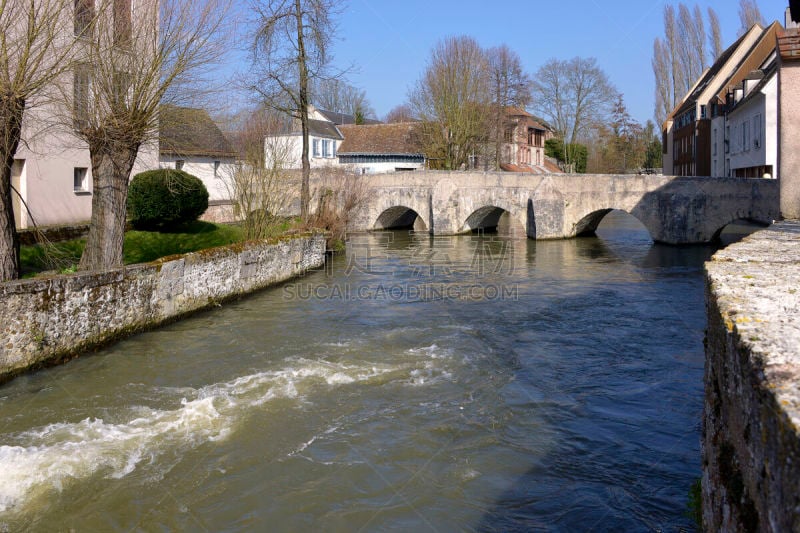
<point x="28" y="237"/>
<point x="49" y="320"/>
<point x="751" y="426"/>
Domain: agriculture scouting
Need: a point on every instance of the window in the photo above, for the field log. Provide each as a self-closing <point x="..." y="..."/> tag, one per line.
<point x="80" y="97"/>
<point x="757" y="131"/>
<point x="702" y="111"/>
<point x="326" y="148"/>
<point x="316" y="151"/>
<point x="727" y="139"/>
<point x="538" y="139"/>
<point x="216" y="169"/>
<point x="80" y="180"/>
<point x="715" y="143"/>
<point x="122" y="21"/>
<point x="179" y="164"/>
<point x="333" y="143"/>
<point x="84" y="13"/>
<point x="746" y="136"/>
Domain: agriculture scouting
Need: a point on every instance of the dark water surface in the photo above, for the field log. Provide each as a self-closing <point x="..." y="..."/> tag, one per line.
<point x="459" y="383"/>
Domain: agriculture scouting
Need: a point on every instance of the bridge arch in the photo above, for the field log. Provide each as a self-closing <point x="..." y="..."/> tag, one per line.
<point x="756" y="223"/>
<point x="494" y="218"/>
<point x="588" y="224"/>
<point x="400" y="217"/>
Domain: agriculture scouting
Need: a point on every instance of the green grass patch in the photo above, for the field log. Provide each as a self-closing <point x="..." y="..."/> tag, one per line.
<point x="145" y="246"/>
<point x="139" y="247"/>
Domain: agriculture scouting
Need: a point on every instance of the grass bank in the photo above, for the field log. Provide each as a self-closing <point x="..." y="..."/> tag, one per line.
<point x="139" y="247"/>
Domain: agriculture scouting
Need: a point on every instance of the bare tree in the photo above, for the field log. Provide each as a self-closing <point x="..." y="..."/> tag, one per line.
<point x="36" y="44"/>
<point x="338" y="96"/>
<point x="677" y="75"/>
<point x="663" y="75"/>
<point x="452" y="99"/>
<point x="691" y="32"/>
<point x="127" y="69"/>
<point x="290" y="50"/>
<point x="681" y="56"/>
<point x="749" y="14"/>
<point x="573" y="95"/>
<point x="714" y="35"/>
<point x="260" y="184"/>
<point x="340" y="195"/>
<point x="509" y="87"/>
<point x="400" y="113"/>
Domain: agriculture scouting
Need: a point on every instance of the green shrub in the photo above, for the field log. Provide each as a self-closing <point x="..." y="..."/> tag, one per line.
<point x="165" y="198"/>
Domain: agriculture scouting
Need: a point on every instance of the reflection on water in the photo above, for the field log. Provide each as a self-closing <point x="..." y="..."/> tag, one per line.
<point x="418" y="382"/>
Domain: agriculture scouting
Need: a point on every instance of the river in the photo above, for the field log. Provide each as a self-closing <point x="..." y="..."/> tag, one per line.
<point x="476" y="383"/>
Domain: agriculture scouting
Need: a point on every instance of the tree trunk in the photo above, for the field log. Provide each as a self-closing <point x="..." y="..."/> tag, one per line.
<point x="11" y="112"/>
<point x="305" y="190"/>
<point x="111" y="169"/>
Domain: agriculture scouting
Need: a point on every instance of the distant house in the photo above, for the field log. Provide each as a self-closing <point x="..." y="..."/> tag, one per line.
<point x="376" y="148"/>
<point x="691" y="131"/>
<point x="190" y="141"/>
<point x="524" y="139"/>
<point x="324" y="139"/>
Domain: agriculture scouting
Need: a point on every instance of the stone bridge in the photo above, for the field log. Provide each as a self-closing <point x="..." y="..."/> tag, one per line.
<point x="675" y="210"/>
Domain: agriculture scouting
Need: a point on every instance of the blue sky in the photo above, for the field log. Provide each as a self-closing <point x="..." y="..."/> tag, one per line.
<point x="389" y="41"/>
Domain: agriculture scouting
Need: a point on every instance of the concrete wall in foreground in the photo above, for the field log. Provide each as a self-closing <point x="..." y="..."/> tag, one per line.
<point x="45" y="321"/>
<point x="751" y="423"/>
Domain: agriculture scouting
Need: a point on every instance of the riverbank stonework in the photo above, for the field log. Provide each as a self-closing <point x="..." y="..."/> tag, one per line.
<point x="751" y="426"/>
<point x="50" y="320"/>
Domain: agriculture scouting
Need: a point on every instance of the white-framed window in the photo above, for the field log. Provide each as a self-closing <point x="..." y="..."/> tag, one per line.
<point x="727" y="139"/>
<point x="315" y="146"/>
<point x="757" y="131"/>
<point x="80" y="179"/>
<point x="326" y="148"/>
<point x="746" y="135"/>
<point x="715" y="143"/>
<point x="179" y="164"/>
<point x="217" y="164"/>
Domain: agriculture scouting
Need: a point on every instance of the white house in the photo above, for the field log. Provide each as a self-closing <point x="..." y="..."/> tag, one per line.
<point x="324" y="139"/>
<point x="52" y="170"/>
<point x="745" y="136"/>
<point x="190" y="141"/>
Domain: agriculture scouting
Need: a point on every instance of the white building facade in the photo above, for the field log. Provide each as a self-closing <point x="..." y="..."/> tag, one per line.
<point x="324" y="140"/>
<point x="191" y="141"/>
<point x="52" y="171"/>
<point x="745" y="135"/>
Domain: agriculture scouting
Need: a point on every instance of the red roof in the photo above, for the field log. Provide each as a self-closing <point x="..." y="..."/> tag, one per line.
<point x="401" y="138"/>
